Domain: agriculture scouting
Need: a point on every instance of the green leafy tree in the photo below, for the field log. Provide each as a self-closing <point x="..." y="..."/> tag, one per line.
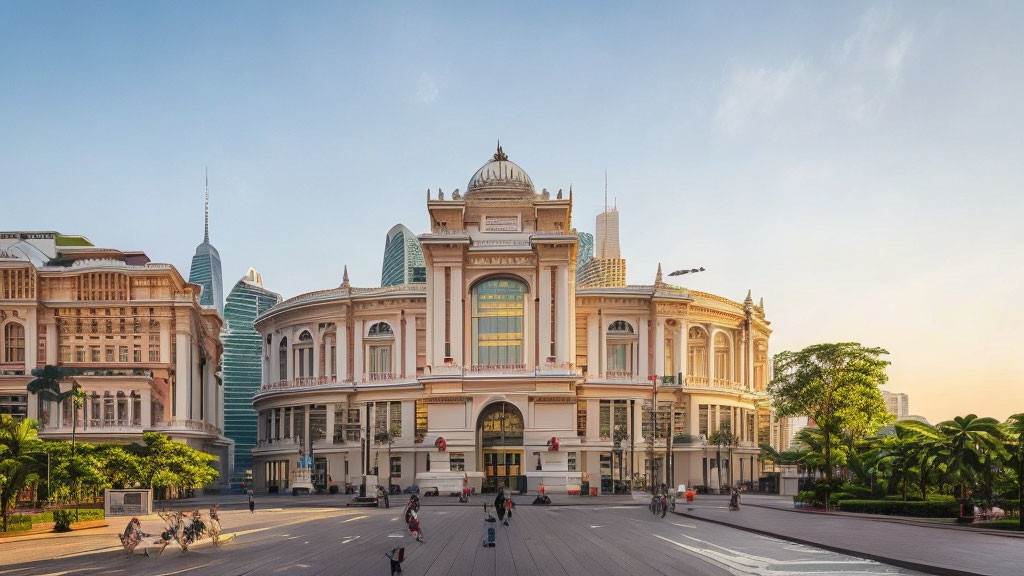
<point x="898" y="453"/>
<point x="968" y="438"/>
<point x="121" y="467"/>
<point x="47" y="386"/>
<point x="168" y="464"/>
<point x="19" y="464"/>
<point x="834" y="384"/>
<point x="1014" y="460"/>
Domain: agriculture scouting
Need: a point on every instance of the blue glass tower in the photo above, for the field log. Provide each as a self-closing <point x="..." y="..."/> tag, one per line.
<point x="206" y="269"/>
<point x="403" y="258"/>
<point x="241" y="365"/>
<point x="585" y="253"/>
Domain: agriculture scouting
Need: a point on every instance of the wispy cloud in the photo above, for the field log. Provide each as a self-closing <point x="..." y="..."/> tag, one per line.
<point x="427" y="91"/>
<point x="855" y="83"/>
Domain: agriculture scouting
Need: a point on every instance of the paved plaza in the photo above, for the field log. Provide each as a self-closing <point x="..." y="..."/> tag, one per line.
<point x="597" y="539"/>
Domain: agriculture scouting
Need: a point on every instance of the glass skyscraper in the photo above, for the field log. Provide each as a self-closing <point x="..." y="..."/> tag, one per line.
<point x="584" y="254"/>
<point x="206" y="269"/>
<point x="241" y="365"/>
<point x="403" y="258"/>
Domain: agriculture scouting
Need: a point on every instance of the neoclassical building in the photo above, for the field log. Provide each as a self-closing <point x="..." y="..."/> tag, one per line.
<point x="500" y="369"/>
<point x="147" y="354"/>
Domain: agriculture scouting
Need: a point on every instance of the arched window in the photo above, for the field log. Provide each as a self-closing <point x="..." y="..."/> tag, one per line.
<point x="498" y="307"/>
<point x="282" y="359"/>
<point x="622" y="344"/>
<point x="697" y="358"/>
<point x="304" y="355"/>
<point x="760" y="365"/>
<point x="723" y="367"/>
<point x="14" y="342"/>
<point x="380" y="329"/>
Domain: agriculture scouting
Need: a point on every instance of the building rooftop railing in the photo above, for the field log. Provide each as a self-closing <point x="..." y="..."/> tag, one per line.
<point x="513" y="369"/>
<point x="189" y="425"/>
<point x="296" y="383"/>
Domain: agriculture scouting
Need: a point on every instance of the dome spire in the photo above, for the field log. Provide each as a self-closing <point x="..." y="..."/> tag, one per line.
<point x="748" y="301"/>
<point x="344" y="277"/>
<point x="500" y="155"/>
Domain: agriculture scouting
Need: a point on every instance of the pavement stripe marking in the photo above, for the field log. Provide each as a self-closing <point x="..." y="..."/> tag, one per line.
<point x="593" y="526"/>
<point x="185" y="570"/>
<point x="354" y="518"/>
<point x="684" y="525"/>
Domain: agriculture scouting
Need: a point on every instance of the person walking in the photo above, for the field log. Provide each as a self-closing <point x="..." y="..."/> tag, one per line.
<point x="413" y="521"/>
<point x="509" y="506"/>
<point x="252" y="503"/>
<point x="499" y="505"/>
<point x="387" y="503"/>
<point x="734" y="500"/>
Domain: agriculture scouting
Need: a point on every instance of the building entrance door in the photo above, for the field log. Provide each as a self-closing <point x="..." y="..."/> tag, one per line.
<point x="501" y="468"/>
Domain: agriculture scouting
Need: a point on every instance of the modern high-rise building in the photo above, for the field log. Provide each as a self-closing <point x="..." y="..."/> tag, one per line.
<point x="241" y="365"/>
<point x="403" y="258"/>
<point x="606" y="241"/>
<point x="897" y="404"/>
<point x="206" y="269"/>
<point x="584" y="253"/>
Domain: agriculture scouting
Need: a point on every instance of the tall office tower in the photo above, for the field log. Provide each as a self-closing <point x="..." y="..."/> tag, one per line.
<point x="206" y="269"/>
<point x="606" y="241"/>
<point x="241" y="370"/>
<point x="897" y="404"/>
<point x="403" y="258"/>
<point x="584" y="254"/>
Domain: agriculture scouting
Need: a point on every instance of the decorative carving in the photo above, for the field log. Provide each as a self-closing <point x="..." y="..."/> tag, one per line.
<point x="500" y="155"/>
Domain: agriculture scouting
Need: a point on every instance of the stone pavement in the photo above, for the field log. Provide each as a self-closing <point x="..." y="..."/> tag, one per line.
<point x="927" y="548"/>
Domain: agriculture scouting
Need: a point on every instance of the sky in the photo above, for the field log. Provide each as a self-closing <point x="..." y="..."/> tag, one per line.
<point x="856" y="164"/>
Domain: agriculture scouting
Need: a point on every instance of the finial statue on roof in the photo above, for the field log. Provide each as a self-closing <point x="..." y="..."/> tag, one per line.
<point x="657" y="278"/>
<point x="760" y="304"/>
<point x="559" y="194"/>
<point x="456" y="195"/>
<point x="500" y="154"/>
<point x="440" y="194"/>
<point x="748" y="301"/>
<point x="344" y="277"/>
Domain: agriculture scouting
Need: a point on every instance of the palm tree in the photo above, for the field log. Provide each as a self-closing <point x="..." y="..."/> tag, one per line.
<point x="967" y="438"/>
<point x="18" y="465"/>
<point x="899" y="452"/>
<point x="47" y="386"/>
<point x="1015" y="459"/>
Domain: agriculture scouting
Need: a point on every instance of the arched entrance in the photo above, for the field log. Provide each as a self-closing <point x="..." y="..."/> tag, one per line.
<point x="500" y="430"/>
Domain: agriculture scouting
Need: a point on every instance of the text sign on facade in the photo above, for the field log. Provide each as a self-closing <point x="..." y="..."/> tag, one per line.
<point x="501" y="224"/>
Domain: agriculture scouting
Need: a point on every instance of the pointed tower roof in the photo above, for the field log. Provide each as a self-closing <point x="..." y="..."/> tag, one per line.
<point x="749" y="300"/>
<point x="344" y="278"/>
<point x="657" y="278"/>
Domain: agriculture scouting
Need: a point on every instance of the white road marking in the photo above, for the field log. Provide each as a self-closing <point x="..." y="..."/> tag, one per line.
<point x="354" y="518"/>
<point x="592" y="526"/>
<point x="394" y="535"/>
<point x="684" y="525"/>
<point x="349" y="539"/>
<point x="292" y="537"/>
<point x="184" y="570"/>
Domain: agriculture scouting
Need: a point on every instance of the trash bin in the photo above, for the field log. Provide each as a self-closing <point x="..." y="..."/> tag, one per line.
<point x="584" y="488"/>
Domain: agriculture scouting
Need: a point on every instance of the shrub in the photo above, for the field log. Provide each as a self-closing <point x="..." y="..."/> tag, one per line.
<point x="807" y="497"/>
<point x="860" y="492"/>
<point x="893" y="508"/>
<point x="62" y="520"/>
<point x="837" y="497"/>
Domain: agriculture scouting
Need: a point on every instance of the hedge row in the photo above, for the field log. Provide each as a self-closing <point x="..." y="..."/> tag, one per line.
<point x="891" y="508"/>
<point x="25" y="521"/>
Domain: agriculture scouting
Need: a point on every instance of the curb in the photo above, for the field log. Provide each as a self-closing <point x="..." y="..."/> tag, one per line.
<point x="926" y="568"/>
<point x="910" y="521"/>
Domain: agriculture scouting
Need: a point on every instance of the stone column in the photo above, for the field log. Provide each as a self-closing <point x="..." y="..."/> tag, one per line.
<point x="659" y="346"/>
<point x="680" y="352"/>
<point x="165" y="341"/>
<point x="643" y="350"/>
<point x="357" y="352"/>
<point x="147" y="408"/>
<point x="712" y="368"/>
<point x="593" y="346"/>
<point x="342" y="351"/>
<point x="317" y="341"/>
<point x="438" y="320"/>
<point x="330" y="424"/>
<point x="544" y="315"/>
<point x="52" y="344"/>
<point x="456" y="328"/>
<point x="410" y="346"/>
<point x="430" y="320"/>
<point x="291" y="355"/>
<point x="182" y="372"/>
<point x="398" y="357"/>
<point x="562" y="321"/>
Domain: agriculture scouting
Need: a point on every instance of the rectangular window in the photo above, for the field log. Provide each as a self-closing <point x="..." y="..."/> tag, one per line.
<point x="458" y="461"/>
<point x="581" y="417"/>
<point x="14" y="405"/>
<point x="94" y="354"/>
<point x="380" y="361"/>
<point x="318" y="422"/>
<point x="396" y="465"/>
<point x="299" y="422"/>
<point x="108" y="411"/>
<point x="288" y="422"/>
<point x="338" y="434"/>
<point x="620" y="420"/>
<point x="122" y="353"/>
<point x="65" y="353"/>
<point x="137" y="355"/>
<point x="421" y="420"/>
<point x="395" y="421"/>
<point x="572" y="462"/>
<point x="620" y="358"/>
<point x="353" y="431"/>
<point x="110" y="354"/>
<point x="702" y="422"/>
<point x="750" y="426"/>
<point x="605" y="419"/>
<point x="137" y="411"/>
<point x="725" y="417"/>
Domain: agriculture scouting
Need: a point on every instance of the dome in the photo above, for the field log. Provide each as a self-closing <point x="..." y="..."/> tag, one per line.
<point x="501" y="176"/>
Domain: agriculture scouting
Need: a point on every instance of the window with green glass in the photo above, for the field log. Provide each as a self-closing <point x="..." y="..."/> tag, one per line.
<point x="498" y="322"/>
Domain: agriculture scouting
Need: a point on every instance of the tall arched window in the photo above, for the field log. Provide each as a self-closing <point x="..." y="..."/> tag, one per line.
<point x="304" y="355"/>
<point x="282" y="359"/>
<point x="498" y="307"/>
<point x="723" y="369"/>
<point x="697" y="358"/>
<point x="14" y="342"/>
<point x="379" y="339"/>
<point x="621" y="344"/>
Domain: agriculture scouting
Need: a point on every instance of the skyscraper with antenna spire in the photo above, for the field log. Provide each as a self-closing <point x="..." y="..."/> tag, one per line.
<point x="607" y="268"/>
<point x="206" y="269"/>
